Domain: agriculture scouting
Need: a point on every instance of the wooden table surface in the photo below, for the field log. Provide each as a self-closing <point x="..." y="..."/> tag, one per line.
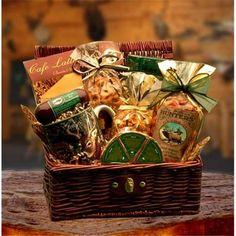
<point x="24" y="212"/>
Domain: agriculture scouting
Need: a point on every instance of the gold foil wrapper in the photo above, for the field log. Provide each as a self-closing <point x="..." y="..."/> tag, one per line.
<point x="134" y="118"/>
<point x="180" y="113"/>
<point x="141" y="89"/>
<point x="178" y="118"/>
<point x="97" y="62"/>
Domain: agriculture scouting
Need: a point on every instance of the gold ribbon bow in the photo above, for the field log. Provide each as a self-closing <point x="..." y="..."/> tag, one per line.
<point x="89" y="66"/>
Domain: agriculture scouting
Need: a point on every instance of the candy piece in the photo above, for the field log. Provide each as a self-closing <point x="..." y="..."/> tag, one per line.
<point x="150" y="154"/>
<point x="132" y="147"/>
<point x="114" y="153"/>
<point x="132" y="142"/>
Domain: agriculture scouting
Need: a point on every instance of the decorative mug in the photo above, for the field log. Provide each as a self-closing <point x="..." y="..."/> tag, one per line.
<point x="75" y="140"/>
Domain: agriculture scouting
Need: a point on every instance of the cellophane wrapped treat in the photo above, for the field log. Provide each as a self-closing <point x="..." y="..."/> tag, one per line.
<point x="140" y="91"/>
<point x="99" y="63"/>
<point x="140" y="88"/>
<point x="183" y="103"/>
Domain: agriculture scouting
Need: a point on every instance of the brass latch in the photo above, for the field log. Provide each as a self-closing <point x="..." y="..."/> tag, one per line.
<point x="128" y="184"/>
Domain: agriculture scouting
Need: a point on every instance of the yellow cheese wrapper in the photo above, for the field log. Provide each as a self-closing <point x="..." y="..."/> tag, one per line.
<point x="66" y="84"/>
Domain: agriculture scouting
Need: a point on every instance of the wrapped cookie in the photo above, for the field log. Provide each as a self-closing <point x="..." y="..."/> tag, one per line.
<point x="182" y="105"/>
<point x="99" y="64"/>
<point x="140" y="91"/>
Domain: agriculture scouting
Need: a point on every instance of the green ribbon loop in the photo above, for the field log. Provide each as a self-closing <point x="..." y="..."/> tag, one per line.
<point x="197" y="88"/>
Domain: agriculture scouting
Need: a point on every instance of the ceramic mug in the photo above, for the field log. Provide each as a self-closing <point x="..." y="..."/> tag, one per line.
<point x="75" y="140"/>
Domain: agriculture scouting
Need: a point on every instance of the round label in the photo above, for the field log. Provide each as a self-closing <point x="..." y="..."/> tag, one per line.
<point x="173" y="133"/>
<point x="57" y="101"/>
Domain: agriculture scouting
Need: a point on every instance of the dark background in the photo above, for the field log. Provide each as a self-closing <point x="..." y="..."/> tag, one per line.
<point x="201" y="31"/>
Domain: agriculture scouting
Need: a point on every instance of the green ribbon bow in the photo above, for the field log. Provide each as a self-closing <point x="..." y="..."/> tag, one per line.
<point x="89" y="66"/>
<point x="197" y="88"/>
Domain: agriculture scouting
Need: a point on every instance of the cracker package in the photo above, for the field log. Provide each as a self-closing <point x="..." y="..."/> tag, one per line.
<point x="183" y="104"/>
<point x="99" y="63"/>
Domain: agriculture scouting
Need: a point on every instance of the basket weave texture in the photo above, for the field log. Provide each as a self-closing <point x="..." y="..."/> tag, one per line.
<point x="86" y="191"/>
<point x="79" y="191"/>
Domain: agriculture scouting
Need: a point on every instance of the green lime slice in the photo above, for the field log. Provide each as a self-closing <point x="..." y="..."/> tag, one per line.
<point x="114" y="153"/>
<point x="132" y="142"/>
<point x="151" y="154"/>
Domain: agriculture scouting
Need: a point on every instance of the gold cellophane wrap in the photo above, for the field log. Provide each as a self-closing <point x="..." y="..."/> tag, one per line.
<point x="180" y="113"/>
<point x="134" y="118"/>
<point x="104" y="88"/>
<point x="140" y="90"/>
<point x="101" y="80"/>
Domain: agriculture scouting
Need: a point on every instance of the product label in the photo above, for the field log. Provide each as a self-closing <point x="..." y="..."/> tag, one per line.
<point x="173" y="133"/>
<point x="174" y="129"/>
<point x="64" y="103"/>
<point x="48" y="67"/>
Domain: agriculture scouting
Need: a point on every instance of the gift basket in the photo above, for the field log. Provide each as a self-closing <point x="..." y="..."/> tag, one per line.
<point x="119" y="123"/>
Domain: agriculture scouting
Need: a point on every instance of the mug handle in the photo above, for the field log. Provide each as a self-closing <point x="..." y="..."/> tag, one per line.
<point x="105" y="108"/>
<point x="107" y="133"/>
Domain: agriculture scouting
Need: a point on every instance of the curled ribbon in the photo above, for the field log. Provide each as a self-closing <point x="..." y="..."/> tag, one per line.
<point x="89" y="66"/>
<point x="197" y="88"/>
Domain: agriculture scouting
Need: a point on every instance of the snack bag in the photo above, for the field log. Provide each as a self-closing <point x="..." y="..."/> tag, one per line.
<point x="183" y="102"/>
<point x="99" y="64"/>
<point x="140" y="91"/>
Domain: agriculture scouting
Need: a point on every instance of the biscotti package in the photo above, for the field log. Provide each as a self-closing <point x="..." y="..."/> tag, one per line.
<point x="52" y="76"/>
<point x="182" y="107"/>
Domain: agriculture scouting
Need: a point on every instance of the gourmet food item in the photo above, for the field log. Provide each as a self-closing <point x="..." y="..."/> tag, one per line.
<point x="45" y="72"/>
<point x="99" y="64"/>
<point x="66" y="84"/>
<point x="134" y="118"/>
<point x="132" y="147"/>
<point x="183" y="101"/>
<point x="49" y="111"/>
<point x="140" y="91"/>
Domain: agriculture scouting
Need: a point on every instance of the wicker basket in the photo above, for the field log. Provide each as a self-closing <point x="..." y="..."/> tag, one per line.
<point x="79" y="191"/>
<point x="87" y="191"/>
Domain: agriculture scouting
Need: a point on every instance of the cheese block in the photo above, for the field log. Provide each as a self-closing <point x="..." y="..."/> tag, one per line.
<point x="66" y="84"/>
